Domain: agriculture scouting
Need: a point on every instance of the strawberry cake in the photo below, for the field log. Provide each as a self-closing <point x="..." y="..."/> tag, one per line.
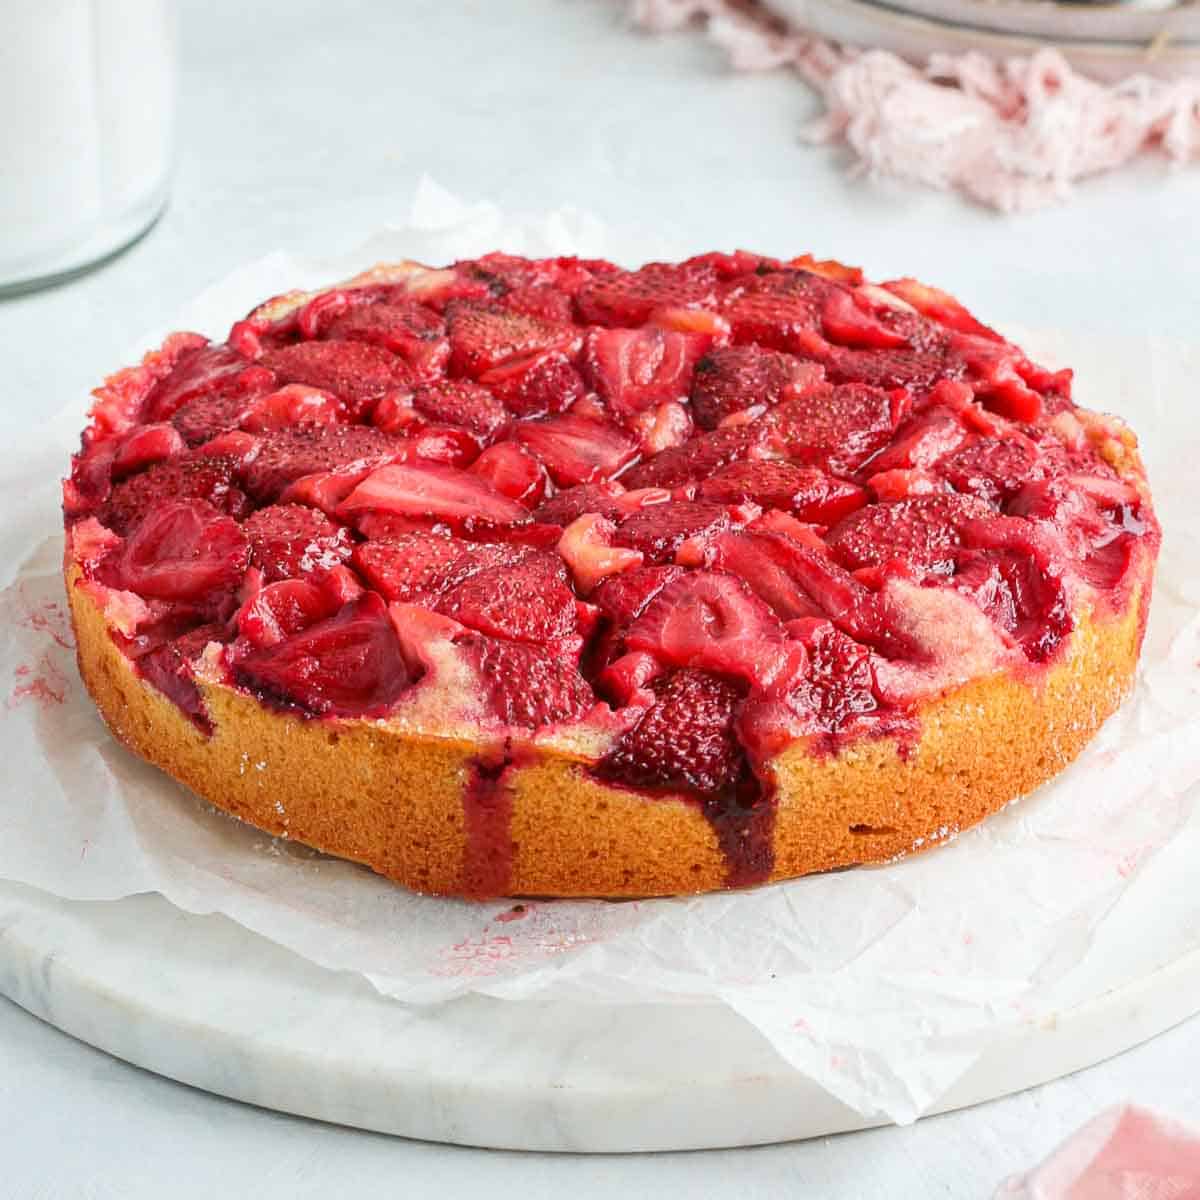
<point x="544" y="577"/>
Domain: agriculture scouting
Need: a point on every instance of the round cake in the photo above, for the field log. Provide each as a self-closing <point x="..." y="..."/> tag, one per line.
<point x="545" y="577"/>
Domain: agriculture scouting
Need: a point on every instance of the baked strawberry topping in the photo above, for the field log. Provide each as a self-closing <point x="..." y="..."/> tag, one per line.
<point x="695" y="507"/>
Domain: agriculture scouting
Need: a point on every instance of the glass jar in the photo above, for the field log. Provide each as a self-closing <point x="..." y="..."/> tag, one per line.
<point x="87" y="93"/>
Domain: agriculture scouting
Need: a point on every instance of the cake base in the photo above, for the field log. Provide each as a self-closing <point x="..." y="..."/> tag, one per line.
<point x="203" y="1001"/>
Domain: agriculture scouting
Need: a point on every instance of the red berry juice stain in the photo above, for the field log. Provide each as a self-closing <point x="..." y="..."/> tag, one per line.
<point x="487" y="812"/>
<point x="743" y="818"/>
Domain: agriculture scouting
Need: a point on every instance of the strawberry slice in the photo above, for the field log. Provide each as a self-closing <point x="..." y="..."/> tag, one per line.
<point x="762" y="560"/>
<point x="289" y="540"/>
<point x="846" y="318"/>
<point x="568" y="505"/>
<point x="430" y="490"/>
<point x="419" y="565"/>
<point x="780" y="309"/>
<point x="623" y="598"/>
<point x="805" y="491"/>
<point x="461" y="402"/>
<point x="924" y="532"/>
<point x="348" y="665"/>
<point x="938" y="306"/>
<point x="484" y="336"/>
<point x="735" y="379"/>
<point x="291" y="454"/>
<point x="355" y="372"/>
<point x="199" y="371"/>
<point x="208" y="415"/>
<point x="535" y="384"/>
<point x="294" y="404"/>
<point x="837" y="430"/>
<point x="994" y="469"/>
<point x="629" y="297"/>
<point x="190" y="478"/>
<point x="405" y="327"/>
<point x="512" y="472"/>
<point x="184" y="550"/>
<point x="540" y="300"/>
<point x="282" y="609"/>
<point x="144" y="446"/>
<point x="686" y="740"/>
<point x="635" y="369"/>
<point x="839" y="685"/>
<point x="917" y="370"/>
<point x="700" y="457"/>
<point x="577" y="449"/>
<point x="921" y="440"/>
<point x="528" y="686"/>
<point x="997" y="372"/>
<point x="169" y="668"/>
<point x="715" y="622"/>
<point x="525" y="600"/>
<point x="624" y="680"/>
<point x="659" y="531"/>
<point x="586" y="546"/>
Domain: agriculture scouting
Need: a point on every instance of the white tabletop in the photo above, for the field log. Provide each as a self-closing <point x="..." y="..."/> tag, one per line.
<point x="306" y="126"/>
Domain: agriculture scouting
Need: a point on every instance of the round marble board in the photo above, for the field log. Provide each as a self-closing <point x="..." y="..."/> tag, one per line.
<point x="204" y="1001"/>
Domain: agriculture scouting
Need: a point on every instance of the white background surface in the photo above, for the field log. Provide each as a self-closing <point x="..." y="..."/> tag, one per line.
<point x="306" y="125"/>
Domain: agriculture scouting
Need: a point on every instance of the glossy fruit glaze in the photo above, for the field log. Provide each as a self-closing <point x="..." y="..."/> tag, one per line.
<point x="688" y="514"/>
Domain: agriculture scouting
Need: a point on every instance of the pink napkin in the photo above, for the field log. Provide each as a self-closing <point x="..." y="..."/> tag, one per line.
<point x="1012" y="134"/>
<point x="1126" y="1153"/>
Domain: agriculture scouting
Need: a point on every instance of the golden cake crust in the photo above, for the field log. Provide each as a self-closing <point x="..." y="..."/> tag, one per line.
<point x="394" y="801"/>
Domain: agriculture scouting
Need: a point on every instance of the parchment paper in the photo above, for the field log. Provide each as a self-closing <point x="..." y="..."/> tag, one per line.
<point x="882" y="984"/>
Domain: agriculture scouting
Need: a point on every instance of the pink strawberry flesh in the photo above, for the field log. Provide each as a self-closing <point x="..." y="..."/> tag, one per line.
<point x="213" y="368"/>
<point x="439" y="492"/>
<point x="290" y="454"/>
<point x="686" y="741"/>
<point x="924" y="532"/>
<point x="184" y="550"/>
<point x="348" y="665"/>
<point x="512" y="472"/>
<point x="805" y="491"/>
<point x="629" y="297"/>
<point x="291" y="540"/>
<point x="577" y="449"/>
<point x="528" y="686"/>
<point x="635" y="369"/>
<point x="355" y="372"/>
<point x="484" y="336"/>
<point x="146" y="445"/>
<point x="658" y="531"/>
<point x="734" y="378"/>
<point x="526" y="600"/>
<point x="283" y="609"/>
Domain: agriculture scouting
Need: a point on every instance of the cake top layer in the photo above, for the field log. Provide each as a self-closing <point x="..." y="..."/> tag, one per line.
<point x="671" y="520"/>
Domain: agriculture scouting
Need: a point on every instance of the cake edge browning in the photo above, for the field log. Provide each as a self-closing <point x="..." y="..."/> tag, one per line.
<point x="397" y="802"/>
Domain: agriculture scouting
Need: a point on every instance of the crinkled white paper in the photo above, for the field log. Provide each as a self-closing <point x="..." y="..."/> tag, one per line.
<point x="882" y="984"/>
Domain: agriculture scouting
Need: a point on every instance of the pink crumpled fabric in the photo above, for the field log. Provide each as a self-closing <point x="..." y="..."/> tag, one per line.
<point x="1126" y="1153"/>
<point x="1013" y="134"/>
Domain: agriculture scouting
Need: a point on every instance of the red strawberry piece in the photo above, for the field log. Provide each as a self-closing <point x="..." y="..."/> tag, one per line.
<point x="169" y="668"/>
<point x="289" y="540"/>
<point x="484" y="336"/>
<point x="938" y="306"/>
<point x="282" y="609"/>
<point x="197" y="372"/>
<point x="766" y="562"/>
<point x="122" y="400"/>
<point x="735" y="379"/>
<point x="577" y="449"/>
<point x="924" y="532"/>
<point x="624" y="681"/>
<point x="441" y="444"/>
<point x="540" y="300"/>
<point x="322" y="310"/>
<point x="635" y="369"/>
<point x="527" y="600"/>
<point x="700" y="457"/>
<point x="295" y="404"/>
<point x="435" y="491"/>
<point x="838" y="430"/>
<point x="921" y="440"/>
<point x="840" y="682"/>
<point x="241" y="448"/>
<point x="535" y="384"/>
<point x="901" y="484"/>
<point x="348" y="665"/>
<point x="184" y="550"/>
<point x="917" y="370"/>
<point x="191" y="478"/>
<point x="210" y="414"/>
<point x="574" y="502"/>
<point x="729" y="266"/>
<point x="528" y="686"/>
<point x="715" y="622"/>
<point x="412" y="330"/>
<point x="586" y="546"/>
<point x="693" y="320"/>
<point x="144" y="446"/>
<point x="662" y="428"/>
<point x="686" y="740"/>
<point x="997" y="372"/>
<point x="440" y="288"/>
<point x="992" y="468"/>
<point x="506" y="273"/>
<point x="355" y="372"/>
<point x="806" y="491"/>
<point x="660" y="530"/>
<point x="624" y="597"/>
<point x="290" y="454"/>
<point x="780" y="310"/>
<point x="827" y="268"/>
<point x="418" y="565"/>
<point x="629" y="297"/>
<point x="847" y="319"/>
<point x="512" y="472"/>
<point x="461" y="402"/>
